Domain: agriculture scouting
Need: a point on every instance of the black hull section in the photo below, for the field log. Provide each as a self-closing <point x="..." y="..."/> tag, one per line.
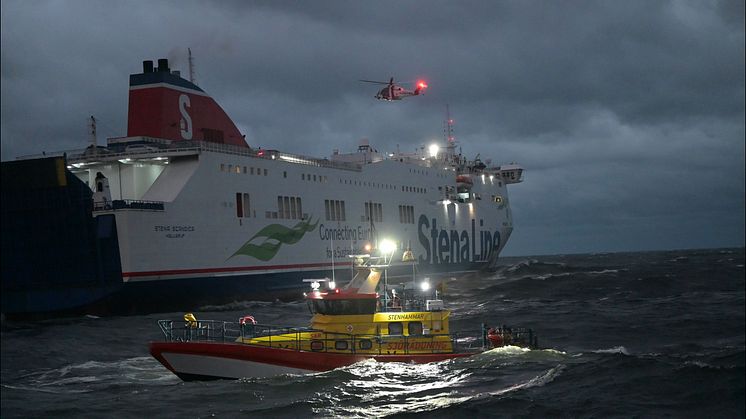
<point x="56" y="257"/>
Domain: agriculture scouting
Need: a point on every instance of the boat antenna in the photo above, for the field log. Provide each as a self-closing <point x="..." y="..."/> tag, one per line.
<point x="92" y="132"/>
<point x="191" y="67"/>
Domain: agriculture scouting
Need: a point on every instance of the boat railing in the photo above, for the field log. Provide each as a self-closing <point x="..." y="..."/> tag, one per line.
<point x="314" y="340"/>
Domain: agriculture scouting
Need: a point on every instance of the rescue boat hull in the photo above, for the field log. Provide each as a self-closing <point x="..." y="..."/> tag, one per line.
<point x="209" y="361"/>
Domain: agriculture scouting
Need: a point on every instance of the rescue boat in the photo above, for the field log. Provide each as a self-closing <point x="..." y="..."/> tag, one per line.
<point x="367" y="318"/>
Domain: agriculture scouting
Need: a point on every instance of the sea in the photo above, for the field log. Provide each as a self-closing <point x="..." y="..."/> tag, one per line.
<point x="633" y="335"/>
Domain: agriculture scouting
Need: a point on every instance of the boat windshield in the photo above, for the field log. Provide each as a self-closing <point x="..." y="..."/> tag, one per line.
<point x="344" y="306"/>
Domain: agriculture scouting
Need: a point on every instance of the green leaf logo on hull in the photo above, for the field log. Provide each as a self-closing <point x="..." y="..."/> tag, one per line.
<point x="274" y="236"/>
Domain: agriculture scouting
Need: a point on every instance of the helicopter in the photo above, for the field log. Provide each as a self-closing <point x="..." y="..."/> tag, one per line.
<point x="393" y="91"/>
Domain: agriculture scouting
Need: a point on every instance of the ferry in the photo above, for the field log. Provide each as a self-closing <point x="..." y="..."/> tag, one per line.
<point x="184" y="206"/>
<point x="366" y="319"/>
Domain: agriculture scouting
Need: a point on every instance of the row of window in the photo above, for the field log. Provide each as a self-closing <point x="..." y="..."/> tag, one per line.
<point x="395" y="329"/>
<point x="334" y="210"/>
<point x="243" y="169"/>
<point x="373" y="211"/>
<point x="406" y="214"/>
<point x="289" y="208"/>
<point x="312" y="178"/>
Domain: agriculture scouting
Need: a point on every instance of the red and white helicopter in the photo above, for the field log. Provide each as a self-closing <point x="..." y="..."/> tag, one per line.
<point x="393" y="91"/>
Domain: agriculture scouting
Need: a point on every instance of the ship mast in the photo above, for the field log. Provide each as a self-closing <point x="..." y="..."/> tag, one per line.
<point x="92" y="132"/>
<point x="450" y="139"/>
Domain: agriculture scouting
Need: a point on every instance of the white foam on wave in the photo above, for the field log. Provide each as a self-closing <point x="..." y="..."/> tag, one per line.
<point x="79" y="378"/>
<point x="615" y="350"/>
<point x="538" y="381"/>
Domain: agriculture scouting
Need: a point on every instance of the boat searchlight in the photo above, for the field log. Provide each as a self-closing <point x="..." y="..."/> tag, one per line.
<point x="387" y="246"/>
<point x="425" y="285"/>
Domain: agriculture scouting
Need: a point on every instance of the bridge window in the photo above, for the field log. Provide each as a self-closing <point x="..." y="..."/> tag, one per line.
<point x="414" y="328"/>
<point x="396" y="328"/>
<point x="338" y="307"/>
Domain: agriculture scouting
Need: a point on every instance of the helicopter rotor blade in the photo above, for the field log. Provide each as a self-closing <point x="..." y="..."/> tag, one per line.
<point x="373" y="81"/>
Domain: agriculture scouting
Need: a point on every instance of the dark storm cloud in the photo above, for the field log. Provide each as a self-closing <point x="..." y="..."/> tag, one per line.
<point x="629" y="116"/>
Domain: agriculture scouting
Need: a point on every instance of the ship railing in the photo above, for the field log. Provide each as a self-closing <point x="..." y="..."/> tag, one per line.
<point x="181" y="147"/>
<point x="314" y="340"/>
<point x="132" y="204"/>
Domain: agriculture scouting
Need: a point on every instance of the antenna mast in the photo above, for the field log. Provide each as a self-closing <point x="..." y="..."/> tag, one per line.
<point x="92" y="132"/>
<point x="191" y="66"/>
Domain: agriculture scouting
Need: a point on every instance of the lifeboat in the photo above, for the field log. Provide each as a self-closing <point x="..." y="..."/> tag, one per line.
<point x="363" y="320"/>
<point x="464" y="181"/>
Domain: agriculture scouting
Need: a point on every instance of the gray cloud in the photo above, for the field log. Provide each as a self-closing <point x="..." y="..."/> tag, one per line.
<point x="629" y="116"/>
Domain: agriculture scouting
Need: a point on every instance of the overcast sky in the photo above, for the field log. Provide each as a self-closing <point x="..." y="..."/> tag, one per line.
<point x="627" y="115"/>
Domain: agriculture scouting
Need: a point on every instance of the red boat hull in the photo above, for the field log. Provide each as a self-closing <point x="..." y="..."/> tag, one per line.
<point x="204" y="360"/>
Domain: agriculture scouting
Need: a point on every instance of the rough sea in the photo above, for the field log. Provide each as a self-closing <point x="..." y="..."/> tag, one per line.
<point x="653" y="334"/>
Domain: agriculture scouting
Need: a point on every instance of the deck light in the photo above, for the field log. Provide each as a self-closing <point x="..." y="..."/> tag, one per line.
<point x="387" y="246"/>
<point x="434" y="149"/>
<point x="425" y="285"/>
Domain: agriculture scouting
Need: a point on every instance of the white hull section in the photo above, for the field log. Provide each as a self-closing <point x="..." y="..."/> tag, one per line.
<point x="213" y="366"/>
<point x="238" y="214"/>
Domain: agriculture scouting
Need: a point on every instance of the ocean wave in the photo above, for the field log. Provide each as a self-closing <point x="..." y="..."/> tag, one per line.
<point x="237" y="305"/>
<point x="537" y="381"/>
<point x="90" y="375"/>
<point x="615" y="350"/>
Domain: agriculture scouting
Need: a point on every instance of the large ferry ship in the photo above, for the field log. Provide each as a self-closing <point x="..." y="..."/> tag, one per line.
<point x="193" y="211"/>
